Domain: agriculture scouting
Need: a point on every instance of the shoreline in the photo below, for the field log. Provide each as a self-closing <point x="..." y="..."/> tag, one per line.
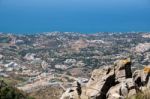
<point x="61" y="32"/>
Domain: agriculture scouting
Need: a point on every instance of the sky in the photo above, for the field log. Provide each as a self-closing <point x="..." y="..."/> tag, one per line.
<point x="74" y="15"/>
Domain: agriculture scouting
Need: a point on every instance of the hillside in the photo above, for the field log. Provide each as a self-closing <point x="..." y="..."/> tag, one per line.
<point x="9" y="92"/>
<point x="44" y="65"/>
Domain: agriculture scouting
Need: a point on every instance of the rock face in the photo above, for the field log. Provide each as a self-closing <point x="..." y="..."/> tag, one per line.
<point x="100" y="83"/>
<point x="103" y="79"/>
<point x="121" y="90"/>
<point x="142" y="77"/>
<point x="123" y="69"/>
<point x="114" y="82"/>
<point x="73" y="93"/>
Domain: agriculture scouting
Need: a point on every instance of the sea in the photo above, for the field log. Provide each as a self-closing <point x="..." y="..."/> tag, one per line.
<point x="84" y="16"/>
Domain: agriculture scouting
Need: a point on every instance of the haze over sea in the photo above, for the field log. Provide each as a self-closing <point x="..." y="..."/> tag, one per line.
<point x="88" y="16"/>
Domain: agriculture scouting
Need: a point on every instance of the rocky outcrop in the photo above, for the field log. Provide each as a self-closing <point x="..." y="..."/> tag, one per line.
<point x="100" y="82"/>
<point x="113" y="82"/>
<point x="74" y="92"/>
<point x="142" y="78"/>
<point x="121" y="90"/>
<point x="103" y="79"/>
<point x="122" y="69"/>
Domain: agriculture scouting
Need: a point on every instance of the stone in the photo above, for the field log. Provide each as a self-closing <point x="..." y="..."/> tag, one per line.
<point x="131" y="87"/>
<point x="115" y="92"/>
<point x="141" y="78"/>
<point x="74" y="92"/>
<point x="123" y="69"/>
<point x="99" y="83"/>
<point x="114" y="82"/>
<point x="67" y="94"/>
<point x="122" y="90"/>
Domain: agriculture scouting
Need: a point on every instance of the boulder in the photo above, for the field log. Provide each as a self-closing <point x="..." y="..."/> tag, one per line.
<point x="99" y="83"/>
<point x="122" y="90"/>
<point x="67" y="94"/>
<point x="141" y="78"/>
<point x="74" y="92"/>
<point x="103" y="79"/>
<point x="123" y="69"/>
<point x="117" y="91"/>
<point x="132" y="90"/>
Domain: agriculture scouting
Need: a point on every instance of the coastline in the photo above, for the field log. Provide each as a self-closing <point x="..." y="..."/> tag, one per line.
<point x="62" y="32"/>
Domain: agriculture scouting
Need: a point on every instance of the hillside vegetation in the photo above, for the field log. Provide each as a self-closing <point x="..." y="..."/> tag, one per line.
<point x="9" y="92"/>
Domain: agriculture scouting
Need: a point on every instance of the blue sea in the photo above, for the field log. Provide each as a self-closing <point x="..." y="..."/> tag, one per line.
<point x="87" y="16"/>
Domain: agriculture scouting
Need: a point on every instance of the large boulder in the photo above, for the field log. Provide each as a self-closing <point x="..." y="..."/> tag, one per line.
<point x="123" y="69"/>
<point x="122" y="90"/>
<point x="139" y="77"/>
<point x="74" y="92"/>
<point x="105" y="78"/>
<point x="100" y="82"/>
<point x="118" y="91"/>
<point x="67" y="94"/>
<point x="142" y="77"/>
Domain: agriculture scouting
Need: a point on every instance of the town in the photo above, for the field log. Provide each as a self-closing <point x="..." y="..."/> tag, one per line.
<point x="34" y="62"/>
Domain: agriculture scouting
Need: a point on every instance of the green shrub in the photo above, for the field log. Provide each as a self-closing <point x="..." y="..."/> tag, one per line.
<point x="9" y="92"/>
<point x="144" y="95"/>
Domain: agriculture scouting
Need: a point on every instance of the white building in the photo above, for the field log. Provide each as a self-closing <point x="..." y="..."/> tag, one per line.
<point x="11" y="64"/>
<point x="30" y="56"/>
<point x="63" y="67"/>
<point x="70" y="61"/>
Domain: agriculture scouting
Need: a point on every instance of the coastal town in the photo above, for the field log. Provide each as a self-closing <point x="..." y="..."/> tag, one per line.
<point x="57" y="59"/>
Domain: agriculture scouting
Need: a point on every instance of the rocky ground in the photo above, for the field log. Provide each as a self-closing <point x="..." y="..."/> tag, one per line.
<point x="115" y="82"/>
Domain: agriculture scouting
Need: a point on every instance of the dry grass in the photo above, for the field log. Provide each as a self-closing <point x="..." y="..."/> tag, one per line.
<point x="48" y="93"/>
<point x="9" y="81"/>
<point x="144" y="95"/>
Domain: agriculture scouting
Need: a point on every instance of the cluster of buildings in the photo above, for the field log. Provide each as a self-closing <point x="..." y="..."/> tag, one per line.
<point x="37" y="58"/>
